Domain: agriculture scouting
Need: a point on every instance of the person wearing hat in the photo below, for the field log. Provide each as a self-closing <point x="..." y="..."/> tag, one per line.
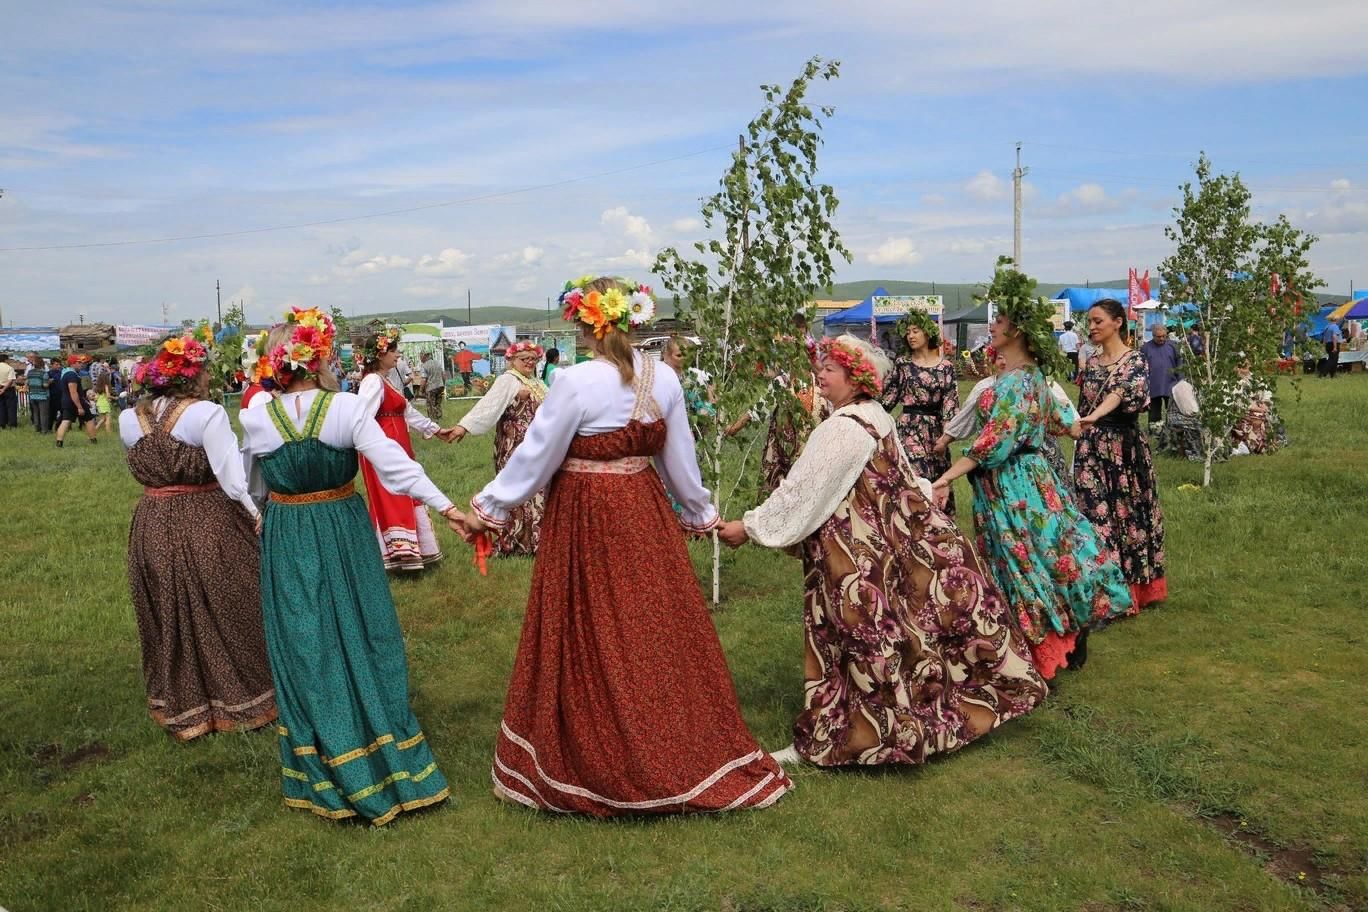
<point x="9" y="394"/>
<point x="911" y="651"/>
<point x="74" y="407"/>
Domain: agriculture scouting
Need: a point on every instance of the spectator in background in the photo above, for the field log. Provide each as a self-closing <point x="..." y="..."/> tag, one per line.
<point x="552" y="365"/>
<point x="400" y="376"/>
<point x="9" y="394"/>
<point x="1164" y="361"/>
<point x="434" y="384"/>
<point x="1195" y="343"/>
<point x="1333" y="339"/>
<point x="102" y="393"/>
<point x="36" y="379"/>
<point x="1068" y="344"/>
<point x="54" y="375"/>
<point x="74" y="403"/>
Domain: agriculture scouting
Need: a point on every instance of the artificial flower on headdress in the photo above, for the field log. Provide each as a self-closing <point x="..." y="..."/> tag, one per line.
<point x="862" y="372"/>
<point x="522" y="348"/>
<point x="309" y="347"/>
<point x="178" y="362"/>
<point x="622" y="305"/>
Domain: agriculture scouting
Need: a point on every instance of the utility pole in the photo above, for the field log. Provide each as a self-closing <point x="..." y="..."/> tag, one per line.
<point x="469" y="321"/>
<point x="218" y="299"/>
<point x="1017" y="175"/>
<point x="548" y="313"/>
<point x="163" y="313"/>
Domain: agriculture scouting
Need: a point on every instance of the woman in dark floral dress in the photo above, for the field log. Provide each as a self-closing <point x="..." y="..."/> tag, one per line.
<point x="508" y="407"/>
<point x="923" y="383"/>
<point x="1113" y="470"/>
<point x="911" y="651"/>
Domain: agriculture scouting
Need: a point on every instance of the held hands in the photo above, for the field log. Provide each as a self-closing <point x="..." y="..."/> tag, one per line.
<point x="1076" y="429"/>
<point x="452" y="434"/>
<point x="940" y="492"/>
<point x="258" y="524"/>
<point x="1087" y="421"/>
<point x="457" y="522"/>
<point x="733" y="533"/>
<point x="941" y="445"/>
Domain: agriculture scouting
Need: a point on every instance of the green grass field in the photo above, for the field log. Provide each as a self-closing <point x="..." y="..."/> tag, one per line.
<point x="1210" y="757"/>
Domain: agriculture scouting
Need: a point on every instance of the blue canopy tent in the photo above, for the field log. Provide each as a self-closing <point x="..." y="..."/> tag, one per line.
<point x="859" y="314"/>
<point x="1082" y="298"/>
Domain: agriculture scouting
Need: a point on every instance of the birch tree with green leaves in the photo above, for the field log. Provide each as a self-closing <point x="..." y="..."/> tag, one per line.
<point x="773" y="247"/>
<point x="1248" y="280"/>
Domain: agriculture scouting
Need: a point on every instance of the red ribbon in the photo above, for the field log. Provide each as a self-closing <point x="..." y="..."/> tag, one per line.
<point x="484" y="547"/>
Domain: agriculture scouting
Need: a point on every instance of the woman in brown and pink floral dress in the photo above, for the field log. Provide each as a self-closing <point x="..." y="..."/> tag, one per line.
<point x="1114" y="478"/>
<point x="910" y="649"/>
<point x="508" y="407"/>
<point x="923" y="383"/>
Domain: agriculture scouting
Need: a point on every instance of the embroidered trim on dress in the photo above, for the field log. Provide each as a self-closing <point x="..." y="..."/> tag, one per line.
<point x="315" y="497"/>
<point x="682" y="798"/>
<point x="627" y="465"/>
<point x="174" y="490"/>
<point x="488" y="519"/>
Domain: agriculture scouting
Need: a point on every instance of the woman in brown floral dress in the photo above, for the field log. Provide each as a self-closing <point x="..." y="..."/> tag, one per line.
<point x="923" y="383"/>
<point x="1114" y="478"/>
<point x="193" y="563"/>
<point x="910" y="649"/>
<point x="508" y="407"/>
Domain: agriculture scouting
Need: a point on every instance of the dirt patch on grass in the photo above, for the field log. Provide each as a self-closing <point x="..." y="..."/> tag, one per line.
<point x="1294" y="864"/>
<point x="54" y="755"/>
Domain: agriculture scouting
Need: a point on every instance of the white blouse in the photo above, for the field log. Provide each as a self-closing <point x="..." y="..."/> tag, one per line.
<point x="589" y="399"/>
<point x="203" y="424"/>
<point x="347" y="425"/>
<point x="492" y="405"/>
<point x="372" y="393"/>
<point x="824" y="474"/>
<point x="965" y="424"/>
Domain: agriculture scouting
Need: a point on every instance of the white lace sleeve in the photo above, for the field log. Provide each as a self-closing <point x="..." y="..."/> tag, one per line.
<point x="836" y="453"/>
<point x="486" y="413"/>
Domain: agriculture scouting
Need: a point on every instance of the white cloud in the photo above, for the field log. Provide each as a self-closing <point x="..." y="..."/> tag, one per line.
<point x="966" y="246"/>
<point x="1341" y="184"/>
<point x="638" y="259"/>
<point x="895" y="252"/>
<point x="425" y="291"/>
<point x="987" y="187"/>
<point x="686" y="225"/>
<point x="357" y="263"/>
<point x="933" y="199"/>
<point x="635" y="227"/>
<point x="531" y="256"/>
<point x="526" y="283"/>
<point x="450" y="262"/>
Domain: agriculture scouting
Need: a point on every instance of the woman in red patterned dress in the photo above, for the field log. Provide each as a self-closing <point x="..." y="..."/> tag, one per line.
<point x="406" y="538"/>
<point x="620" y="701"/>
<point x="508" y="407"/>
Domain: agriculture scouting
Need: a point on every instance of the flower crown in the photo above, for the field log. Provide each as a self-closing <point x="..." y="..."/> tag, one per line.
<point x="862" y="371"/>
<point x="621" y="306"/>
<point x="309" y="348"/>
<point x="518" y="348"/>
<point x="922" y="320"/>
<point x="379" y="341"/>
<point x="178" y="362"/>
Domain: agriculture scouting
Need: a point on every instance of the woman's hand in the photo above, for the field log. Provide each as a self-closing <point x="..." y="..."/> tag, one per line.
<point x="1076" y="429"/>
<point x="941" y="445"/>
<point x="457" y="522"/>
<point x="940" y="492"/>
<point x="474" y="525"/>
<point x="1088" y="421"/>
<point x="523" y="394"/>
<point x="733" y="533"/>
<point x="451" y="434"/>
<point x="258" y="524"/>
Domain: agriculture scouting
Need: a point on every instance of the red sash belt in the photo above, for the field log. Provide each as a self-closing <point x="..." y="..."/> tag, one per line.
<point x="174" y="490"/>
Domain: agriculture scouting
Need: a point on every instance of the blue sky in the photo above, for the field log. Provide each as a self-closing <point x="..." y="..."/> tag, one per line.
<point x="131" y="120"/>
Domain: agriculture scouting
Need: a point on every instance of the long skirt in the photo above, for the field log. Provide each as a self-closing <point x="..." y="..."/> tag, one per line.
<point x="193" y="572"/>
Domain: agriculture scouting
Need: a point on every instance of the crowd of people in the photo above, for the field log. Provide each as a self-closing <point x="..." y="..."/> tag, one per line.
<point x="60" y="392"/>
<point x="918" y="637"/>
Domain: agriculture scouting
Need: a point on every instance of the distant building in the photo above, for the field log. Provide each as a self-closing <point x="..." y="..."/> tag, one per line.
<point x="87" y="338"/>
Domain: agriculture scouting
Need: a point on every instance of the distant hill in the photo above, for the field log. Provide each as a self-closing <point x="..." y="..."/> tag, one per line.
<point x="957" y="296"/>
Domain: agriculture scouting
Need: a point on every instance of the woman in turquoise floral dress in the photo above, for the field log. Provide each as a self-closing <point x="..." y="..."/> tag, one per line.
<point x="1047" y="558"/>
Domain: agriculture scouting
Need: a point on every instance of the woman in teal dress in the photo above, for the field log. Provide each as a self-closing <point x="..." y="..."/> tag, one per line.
<point x="349" y="744"/>
<point x="1046" y="557"/>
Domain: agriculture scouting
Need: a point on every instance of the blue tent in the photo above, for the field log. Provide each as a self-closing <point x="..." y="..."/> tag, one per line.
<point x="859" y="314"/>
<point x="1082" y="298"/>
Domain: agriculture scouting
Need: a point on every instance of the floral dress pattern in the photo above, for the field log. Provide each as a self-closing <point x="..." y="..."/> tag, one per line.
<point x="521" y="535"/>
<point x="788" y="431"/>
<point x="1051" y="564"/>
<point x="1114" y="476"/>
<point x="929" y="397"/>
<point x="910" y="649"/>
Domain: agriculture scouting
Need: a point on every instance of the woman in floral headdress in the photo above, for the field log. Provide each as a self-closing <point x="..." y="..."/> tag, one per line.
<point x="407" y="541"/>
<point x="509" y="407"/>
<point x="923" y="384"/>
<point x="1055" y="570"/>
<point x="349" y="744"/>
<point x="910" y="649"/>
<point x="193" y="561"/>
<point x="620" y="702"/>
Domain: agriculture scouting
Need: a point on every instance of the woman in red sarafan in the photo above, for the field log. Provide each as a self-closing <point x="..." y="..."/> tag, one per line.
<point x="621" y="701"/>
<point x="407" y="541"/>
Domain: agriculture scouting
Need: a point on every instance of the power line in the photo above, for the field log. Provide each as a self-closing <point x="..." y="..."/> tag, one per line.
<point x="1175" y="156"/>
<point x="372" y="215"/>
<point x="1092" y="175"/>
